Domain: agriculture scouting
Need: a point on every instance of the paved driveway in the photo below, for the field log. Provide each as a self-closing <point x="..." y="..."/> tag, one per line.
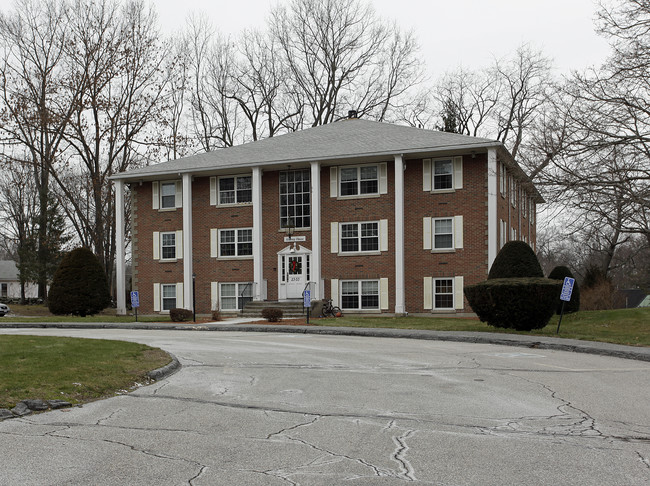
<point x="282" y="409"/>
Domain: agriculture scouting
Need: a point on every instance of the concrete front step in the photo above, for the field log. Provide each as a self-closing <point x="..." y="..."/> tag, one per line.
<point x="289" y="308"/>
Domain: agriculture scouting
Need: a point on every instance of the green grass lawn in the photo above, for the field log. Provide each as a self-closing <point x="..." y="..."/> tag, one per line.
<point x="621" y="326"/>
<point x="70" y="369"/>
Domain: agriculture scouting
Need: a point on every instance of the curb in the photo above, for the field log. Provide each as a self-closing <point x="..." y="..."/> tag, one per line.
<point x="536" y="342"/>
<point x="165" y="371"/>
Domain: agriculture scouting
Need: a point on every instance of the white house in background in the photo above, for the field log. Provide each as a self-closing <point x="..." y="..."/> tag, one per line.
<point x="10" y="283"/>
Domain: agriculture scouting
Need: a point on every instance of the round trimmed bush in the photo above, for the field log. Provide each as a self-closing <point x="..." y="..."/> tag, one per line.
<point x="515" y="260"/>
<point x="514" y="303"/>
<point x="79" y="286"/>
<point x="560" y="273"/>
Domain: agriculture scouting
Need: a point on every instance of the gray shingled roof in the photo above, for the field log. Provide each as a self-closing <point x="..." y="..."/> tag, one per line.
<point x="8" y="271"/>
<point x="347" y="139"/>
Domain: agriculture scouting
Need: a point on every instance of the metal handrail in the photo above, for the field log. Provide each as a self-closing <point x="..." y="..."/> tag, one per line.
<point x="245" y="300"/>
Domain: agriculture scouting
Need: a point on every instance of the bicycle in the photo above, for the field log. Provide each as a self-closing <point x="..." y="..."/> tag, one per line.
<point x="331" y="310"/>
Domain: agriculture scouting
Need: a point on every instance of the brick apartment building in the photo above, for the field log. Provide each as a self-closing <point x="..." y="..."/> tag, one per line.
<point x="378" y="217"/>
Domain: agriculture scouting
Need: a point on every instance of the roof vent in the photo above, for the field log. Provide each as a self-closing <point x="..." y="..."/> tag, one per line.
<point x="352" y="114"/>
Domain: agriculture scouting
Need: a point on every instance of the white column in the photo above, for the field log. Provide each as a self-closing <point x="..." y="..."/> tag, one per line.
<point x="493" y="220"/>
<point x="317" y="291"/>
<point x="400" y="303"/>
<point x="258" y="260"/>
<point x="120" y="266"/>
<point x="187" y="241"/>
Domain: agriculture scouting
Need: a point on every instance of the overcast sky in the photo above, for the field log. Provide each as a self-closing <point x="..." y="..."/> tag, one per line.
<point x="470" y="33"/>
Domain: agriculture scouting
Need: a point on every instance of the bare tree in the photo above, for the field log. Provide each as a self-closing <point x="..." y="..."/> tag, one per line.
<point x="38" y="96"/>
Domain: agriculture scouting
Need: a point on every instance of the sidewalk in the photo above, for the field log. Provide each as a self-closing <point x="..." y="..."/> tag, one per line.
<point x="245" y="325"/>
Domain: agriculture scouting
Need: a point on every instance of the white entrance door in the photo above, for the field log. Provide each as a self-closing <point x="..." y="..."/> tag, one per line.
<point x="295" y="275"/>
<point x="293" y="272"/>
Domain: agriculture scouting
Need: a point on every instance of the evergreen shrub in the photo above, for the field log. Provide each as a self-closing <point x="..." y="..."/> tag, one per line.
<point x="79" y="285"/>
<point x="180" y="315"/>
<point x="560" y="273"/>
<point x="516" y="259"/>
<point x="522" y="304"/>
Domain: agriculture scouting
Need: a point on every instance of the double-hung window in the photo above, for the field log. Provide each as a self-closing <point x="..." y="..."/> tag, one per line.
<point x="443" y="296"/>
<point x="360" y="294"/>
<point x="295" y="207"/>
<point x="443" y="237"/>
<point x="234" y="295"/>
<point x="357" y="181"/>
<point x="168" y="296"/>
<point x="443" y="173"/>
<point x="168" y="246"/>
<point x="235" y="190"/>
<point x="167" y="195"/>
<point x="235" y="242"/>
<point x="359" y="237"/>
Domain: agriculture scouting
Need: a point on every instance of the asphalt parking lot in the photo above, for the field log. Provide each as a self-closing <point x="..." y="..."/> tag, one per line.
<point x="283" y="408"/>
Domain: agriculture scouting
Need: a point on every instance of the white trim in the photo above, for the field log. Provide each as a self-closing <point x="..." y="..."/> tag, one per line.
<point x="383" y="178"/>
<point x="186" y="241"/>
<point x="258" y="262"/>
<point x="334" y="181"/>
<point x="427" y="239"/>
<point x="453" y="234"/>
<point x="458" y="172"/>
<point x="235" y="243"/>
<point x="383" y="235"/>
<point x="383" y="294"/>
<point x="157" y="302"/>
<point x="400" y="303"/>
<point x="213" y="191"/>
<point x="120" y="264"/>
<point x="156" y="245"/>
<point x="426" y="175"/>
<point x="493" y="230"/>
<point x="334" y="291"/>
<point x="334" y="237"/>
<point x="358" y="180"/>
<point x="214" y="243"/>
<point x="459" y="302"/>
<point x="214" y="295"/>
<point x="316" y="237"/>
<point x="453" y="293"/>
<point x="179" y="191"/>
<point x="458" y="232"/>
<point x="155" y="195"/>
<point x="428" y="292"/>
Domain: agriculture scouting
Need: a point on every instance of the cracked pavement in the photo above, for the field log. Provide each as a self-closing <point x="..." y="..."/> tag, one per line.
<point x="284" y="409"/>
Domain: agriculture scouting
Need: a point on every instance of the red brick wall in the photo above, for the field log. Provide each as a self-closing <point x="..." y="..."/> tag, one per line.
<point x="469" y="262"/>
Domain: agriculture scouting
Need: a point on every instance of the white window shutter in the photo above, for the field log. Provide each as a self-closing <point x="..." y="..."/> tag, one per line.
<point x="213" y="191"/>
<point x="179" y="295"/>
<point x="383" y="293"/>
<point x="214" y="243"/>
<point x="426" y="175"/>
<point x="383" y="235"/>
<point x="334" y="234"/>
<point x="334" y="181"/>
<point x="179" y="244"/>
<point x="459" y="303"/>
<point x="458" y="232"/>
<point x="155" y="195"/>
<point x="458" y="172"/>
<point x="428" y="292"/>
<point x="383" y="178"/>
<point x="334" y="291"/>
<point x="156" y="297"/>
<point x="426" y="232"/>
<point x="156" y="245"/>
<point x="214" y="295"/>
<point x="179" y="194"/>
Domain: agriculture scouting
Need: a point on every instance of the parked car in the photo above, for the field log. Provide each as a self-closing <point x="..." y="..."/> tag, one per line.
<point x="4" y="309"/>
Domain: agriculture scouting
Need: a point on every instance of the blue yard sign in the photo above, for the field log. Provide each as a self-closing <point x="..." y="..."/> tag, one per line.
<point x="306" y="298"/>
<point x="567" y="289"/>
<point x="135" y="299"/>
